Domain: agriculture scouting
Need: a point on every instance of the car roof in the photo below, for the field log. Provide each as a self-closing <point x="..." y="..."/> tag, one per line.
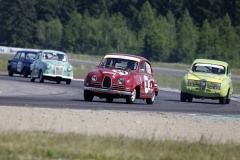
<point x="32" y="51"/>
<point x="211" y="61"/>
<point x="54" y="51"/>
<point x="127" y="55"/>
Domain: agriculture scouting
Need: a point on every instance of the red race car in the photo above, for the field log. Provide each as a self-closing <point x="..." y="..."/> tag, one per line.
<point x="121" y="76"/>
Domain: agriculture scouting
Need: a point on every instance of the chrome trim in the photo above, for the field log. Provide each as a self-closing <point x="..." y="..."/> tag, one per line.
<point x="51" y="75"/>
<point x="109" y="91"/>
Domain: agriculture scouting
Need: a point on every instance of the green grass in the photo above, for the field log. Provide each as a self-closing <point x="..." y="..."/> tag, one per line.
<point x="3" y="62"/>
<point x="46" y="145"/>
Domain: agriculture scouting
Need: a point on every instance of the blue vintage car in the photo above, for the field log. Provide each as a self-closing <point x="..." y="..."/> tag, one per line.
<point x="20" y="63"/>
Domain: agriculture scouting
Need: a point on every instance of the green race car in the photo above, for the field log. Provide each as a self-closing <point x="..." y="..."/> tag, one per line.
<point x="207" y="79"/>
<point x="51" y="65"/>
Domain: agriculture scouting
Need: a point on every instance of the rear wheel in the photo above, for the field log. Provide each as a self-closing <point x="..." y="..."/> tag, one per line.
<point x="151" y="100"/>
<point x="130" y="99"/>
<point x="68" y="81"/>
<point x="10" y="72"/>
<point x="88" y="95"/>
<point x="25" y="72"/>
<point x="109" y="99"/>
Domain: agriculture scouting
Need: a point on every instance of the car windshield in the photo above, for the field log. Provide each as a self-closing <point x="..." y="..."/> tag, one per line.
<point x="31" y="56"/>
<point x="119" y="63"/>
<point x="54" y="56"/>
<point x="208" y="68"/>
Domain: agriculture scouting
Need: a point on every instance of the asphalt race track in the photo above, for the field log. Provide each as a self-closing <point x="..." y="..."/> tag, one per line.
<point x="19" y="91"/>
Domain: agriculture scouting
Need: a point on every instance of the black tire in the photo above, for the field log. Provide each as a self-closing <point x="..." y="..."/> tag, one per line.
<point x="41" y="77"/>
<point x="183" y="97"/>
<point x="88" y="95"/>
<point x="10" y="72"/>
<point x="109" y="99"/>
<point x="25" y="72"/>
<point x="225" y="100"/>
<point x="151" y="100"/>
<point x="189" y="98"/>
<point x="58" y="80"/>
<point x="68" y="81"/>
<point x="130" y="99"/>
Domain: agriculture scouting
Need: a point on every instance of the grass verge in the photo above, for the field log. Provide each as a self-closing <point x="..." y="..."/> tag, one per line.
<point x="45" y="145"/>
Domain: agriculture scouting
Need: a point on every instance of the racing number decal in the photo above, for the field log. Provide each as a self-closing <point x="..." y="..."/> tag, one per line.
<point x="19" y="66"/>
<point x="146" y="84"/>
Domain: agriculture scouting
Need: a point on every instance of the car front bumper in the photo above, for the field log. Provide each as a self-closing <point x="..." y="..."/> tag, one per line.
<point x="205" y="93"/>
<point x="107" y="91"/>
<point x="62" y="76"/>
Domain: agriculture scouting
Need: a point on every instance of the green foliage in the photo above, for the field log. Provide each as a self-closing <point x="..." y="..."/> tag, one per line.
<point x="166" y="31"/>
<point x="47" y="145"/>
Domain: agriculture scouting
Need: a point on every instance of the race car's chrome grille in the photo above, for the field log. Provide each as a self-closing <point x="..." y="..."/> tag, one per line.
<point x="118" y="87"/>
<point x="59" y="70"/>
<point x="95" y="84"/>
<point x="203" y="84"/>
<point x="107" y="82"/>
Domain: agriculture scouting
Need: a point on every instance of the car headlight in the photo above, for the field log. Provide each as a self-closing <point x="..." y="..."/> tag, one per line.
<point x="49" y="66"/>
<point x="217" y="86"/>
<point x="69" y="68"/>
<point x="120" y="80"/>
<point x="190" y="83"/>
<point x="94" y="78"/>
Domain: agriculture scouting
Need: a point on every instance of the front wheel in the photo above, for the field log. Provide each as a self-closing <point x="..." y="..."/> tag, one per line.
<point x="109" y="99"/>
<point x="88" y="95"/>
<point x="41" y="77"/>
<point x="130" y="99"/>
<point x="183" y="97"/>
<point x="68" y="81"/>
<point x="225" y="100"/>
<point x="32" y="79"/>
<point x="151" y="100"/>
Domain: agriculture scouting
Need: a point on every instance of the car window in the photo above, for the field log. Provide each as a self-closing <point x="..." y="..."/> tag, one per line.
<point x="148" y="68"/>
<point x="119" y="63"/>
<point x="31" y="55"/>
<point x="22" y="56"/>
<point x="17" y="56"/>
<point x="208" y="68"/>
<point x="143" y="67"/>
<point x="54" y="56"/>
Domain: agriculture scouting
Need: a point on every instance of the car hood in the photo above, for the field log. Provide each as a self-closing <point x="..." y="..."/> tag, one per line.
<point x="56" y="63"/>
<point x="207" y="76"/>
<point x="115" y="72"/>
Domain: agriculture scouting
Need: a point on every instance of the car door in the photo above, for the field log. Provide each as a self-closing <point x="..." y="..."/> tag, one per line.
<point x="20" y="62"/>
<point x="145" y="78"/>
<point x="14" y="62"/>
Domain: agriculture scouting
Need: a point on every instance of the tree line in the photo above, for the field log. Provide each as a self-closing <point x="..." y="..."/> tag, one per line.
<point x="160" y="30"/>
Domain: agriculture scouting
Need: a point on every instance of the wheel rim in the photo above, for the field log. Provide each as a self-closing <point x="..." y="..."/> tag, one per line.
<point x="133" y="97"/>
<point x="153" y="97"/>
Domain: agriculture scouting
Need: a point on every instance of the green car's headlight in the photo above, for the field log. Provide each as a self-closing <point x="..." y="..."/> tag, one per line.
<point x="94" y="78"/>
<point x="190" y="83"/>
<point x="49" y="66"/>
<point x="69" y="68"/>
<point x="217" y="86"/>
<point x="120" y="80"/>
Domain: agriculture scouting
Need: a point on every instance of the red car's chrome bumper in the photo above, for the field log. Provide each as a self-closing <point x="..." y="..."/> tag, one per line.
<point x="108" y="91"/>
